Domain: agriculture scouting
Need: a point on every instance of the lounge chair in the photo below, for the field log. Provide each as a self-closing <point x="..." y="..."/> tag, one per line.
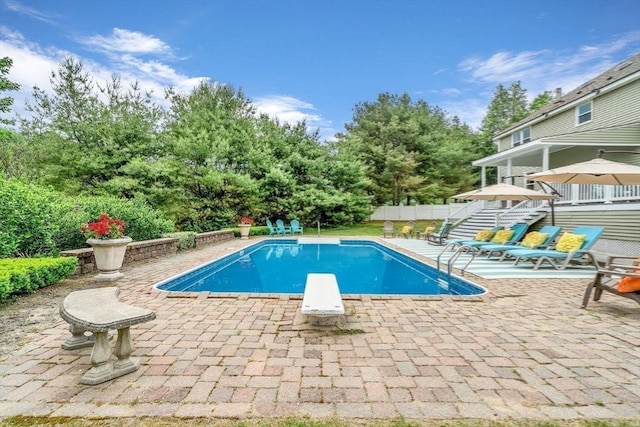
<point x="570" y="248"/>
<point x="281" y="228"/>
<point x="272" y="229"/>
<point x="441" y="235"/>
<point x="295" y="227"/>
<point x="407" y="230"/>
<point x="533" y="240"/>
<point x="507" y="236"/>
<point x="388" y="228"/>
<point x="484" y="236"/>
<point x="618" y="276"/>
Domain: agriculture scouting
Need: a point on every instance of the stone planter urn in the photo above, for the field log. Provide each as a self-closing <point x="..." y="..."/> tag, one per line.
<point x="109" y="256"/>
<point x="244" y="231"/>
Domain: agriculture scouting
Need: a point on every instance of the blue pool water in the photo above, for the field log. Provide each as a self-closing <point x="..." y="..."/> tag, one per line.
<point x="278" y="266"/>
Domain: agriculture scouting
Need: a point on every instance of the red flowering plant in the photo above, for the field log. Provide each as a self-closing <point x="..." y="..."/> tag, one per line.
<point x="246" y="220"/>
<point x="104" y="228"/>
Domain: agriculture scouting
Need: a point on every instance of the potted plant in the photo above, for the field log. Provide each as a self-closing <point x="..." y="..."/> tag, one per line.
<point x="245" y="224"/>
<point x="106" y="237"/>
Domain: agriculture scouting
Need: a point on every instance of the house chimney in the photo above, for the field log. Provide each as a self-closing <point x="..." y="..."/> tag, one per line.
<point x="558" y="93"/>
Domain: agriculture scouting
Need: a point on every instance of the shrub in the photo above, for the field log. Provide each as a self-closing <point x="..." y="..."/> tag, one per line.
<point x="38" y="221"/>
<point x="254" y="231"/>
<point x="28" y="223"/>
<point x="25" y="275"/>
<point x="186" y="239"/>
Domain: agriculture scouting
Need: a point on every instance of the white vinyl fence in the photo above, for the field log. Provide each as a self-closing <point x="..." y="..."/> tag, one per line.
<point x="414" y="213"/>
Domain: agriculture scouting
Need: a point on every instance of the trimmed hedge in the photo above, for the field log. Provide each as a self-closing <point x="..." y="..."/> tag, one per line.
<point x="255" y="230"/>
<point x="25" y="275"/>
<point x="186" y="239"/>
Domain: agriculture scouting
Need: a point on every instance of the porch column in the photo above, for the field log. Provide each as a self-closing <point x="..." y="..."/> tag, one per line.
<point x="545" y="158"/>
<point x="509" y="164"/>
<point x="483" y="176"/>
<point x="575" y="194"/>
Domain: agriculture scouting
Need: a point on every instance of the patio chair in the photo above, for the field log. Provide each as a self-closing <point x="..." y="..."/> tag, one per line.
<point x="441" y="235"/>
<point x="296" y="227"/>
<point x="507" y="236"/>
<point x="428" y="229"/>
<point x="570" y="248"/>
<point x="281" y="228"/>
<point x="388" y="228"/>
<point x="407" y="230"/>
<point x="533" y="240"/>
<point x="272" y="229"/>
<point x="618" y="276"/>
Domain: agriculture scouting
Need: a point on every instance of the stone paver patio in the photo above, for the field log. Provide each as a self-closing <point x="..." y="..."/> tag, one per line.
<point x="526" y="351"/>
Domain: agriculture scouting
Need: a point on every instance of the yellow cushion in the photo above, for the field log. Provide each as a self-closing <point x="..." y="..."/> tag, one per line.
<point x="484" y="235"/>
<point x="570" y="242"/>
<point x="429" y="230"/>
<point x="502" y="237"/>
<point x="406" y="229"/>
<point x="534" y="239"/>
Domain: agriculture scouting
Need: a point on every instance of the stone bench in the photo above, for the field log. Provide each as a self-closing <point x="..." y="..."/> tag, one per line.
<point x="98" y="311"/>
<point x="322" y="301"/>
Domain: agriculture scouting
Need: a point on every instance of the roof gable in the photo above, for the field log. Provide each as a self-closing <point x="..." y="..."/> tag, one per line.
<point x="623" y="69"/>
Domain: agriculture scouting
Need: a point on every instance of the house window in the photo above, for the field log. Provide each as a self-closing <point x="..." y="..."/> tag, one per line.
<point x="583" y="113"/>
<point x="521" y="137"/>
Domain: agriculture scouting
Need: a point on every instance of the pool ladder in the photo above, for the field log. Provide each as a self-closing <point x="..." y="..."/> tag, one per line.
<point x="460" y="250"/>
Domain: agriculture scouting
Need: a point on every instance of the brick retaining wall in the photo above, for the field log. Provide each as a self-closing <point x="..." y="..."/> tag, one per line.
<point x="146" y="249"/>
<point x="213" y="237"/>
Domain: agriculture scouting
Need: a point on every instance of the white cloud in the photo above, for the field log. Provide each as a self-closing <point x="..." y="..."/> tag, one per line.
<point x="538" y="71"/>
<point x="28" y="11"/>
<point x="33" y="65"/>
<point x="126" y="41"/>
<point x="291" y="110"/>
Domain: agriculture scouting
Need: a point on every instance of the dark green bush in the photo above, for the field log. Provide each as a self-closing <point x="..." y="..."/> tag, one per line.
<point x="25" y="275"/>
<point x="142" y="221"/>
<point x="186" y="239"/>
<point x="37" y="221"/>
<point x="29" y="220"/>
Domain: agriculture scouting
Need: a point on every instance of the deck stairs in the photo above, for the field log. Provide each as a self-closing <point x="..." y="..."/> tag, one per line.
<point x="487" y="218"/>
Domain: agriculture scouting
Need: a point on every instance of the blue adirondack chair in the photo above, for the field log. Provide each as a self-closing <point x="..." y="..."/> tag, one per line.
<point x="272" y="229"/>
<point x="281" y="228"/>
<point x="296" y="227"/>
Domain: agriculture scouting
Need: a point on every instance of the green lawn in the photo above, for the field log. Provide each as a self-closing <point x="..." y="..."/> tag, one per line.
<point x="373" y="228"/>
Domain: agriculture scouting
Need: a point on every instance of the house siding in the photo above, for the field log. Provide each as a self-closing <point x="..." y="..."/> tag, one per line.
<point x="615" y="108"/>
<point x="618" y="225"/>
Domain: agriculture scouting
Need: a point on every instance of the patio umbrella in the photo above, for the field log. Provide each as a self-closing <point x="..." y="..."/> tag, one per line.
<point x="504" y="191"/>
<point x="596" y="171"/>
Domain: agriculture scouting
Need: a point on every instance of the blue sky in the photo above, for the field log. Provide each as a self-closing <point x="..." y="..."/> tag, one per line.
<point x="316" y="60"/>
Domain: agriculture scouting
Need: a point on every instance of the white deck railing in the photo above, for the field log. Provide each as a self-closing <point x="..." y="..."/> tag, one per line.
<point x="576" y="194"/>
<point x="519" y="211"/>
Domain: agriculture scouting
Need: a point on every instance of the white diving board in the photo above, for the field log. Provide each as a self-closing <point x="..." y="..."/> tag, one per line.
<point x="318" y="240"/>
<point x="322" y="296"/>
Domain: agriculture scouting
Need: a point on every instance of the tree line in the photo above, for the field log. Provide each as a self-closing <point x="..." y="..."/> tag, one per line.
<point x="210" y="157"/>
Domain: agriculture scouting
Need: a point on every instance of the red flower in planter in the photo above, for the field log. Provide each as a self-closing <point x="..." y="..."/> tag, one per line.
<point x="104" y="228"/>
<point x="246" y="220"/>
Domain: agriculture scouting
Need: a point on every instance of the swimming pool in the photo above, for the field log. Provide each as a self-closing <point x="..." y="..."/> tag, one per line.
<point x="280" y="266"/>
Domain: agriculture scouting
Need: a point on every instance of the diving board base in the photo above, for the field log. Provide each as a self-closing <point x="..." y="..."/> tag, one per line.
<point x="322" y="302"/>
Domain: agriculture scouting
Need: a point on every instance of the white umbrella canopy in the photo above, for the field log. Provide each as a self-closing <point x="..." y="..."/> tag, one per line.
<point x="503" y="192"/>
<point x="596" y="171"/>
